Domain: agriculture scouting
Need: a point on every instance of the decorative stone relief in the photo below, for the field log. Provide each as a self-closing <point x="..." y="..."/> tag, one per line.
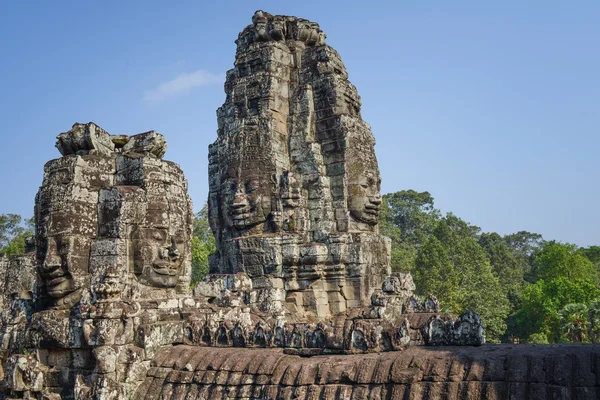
<point x="104" y="298"/>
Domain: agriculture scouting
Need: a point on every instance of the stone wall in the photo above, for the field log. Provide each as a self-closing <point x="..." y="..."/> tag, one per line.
<point x="487" y="372"/>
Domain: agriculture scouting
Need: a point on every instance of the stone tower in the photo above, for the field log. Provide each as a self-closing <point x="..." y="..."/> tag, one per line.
<point x="294" y="183"/>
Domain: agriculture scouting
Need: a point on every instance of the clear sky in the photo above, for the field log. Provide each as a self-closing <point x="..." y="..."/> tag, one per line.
<point x="492" y="107"/>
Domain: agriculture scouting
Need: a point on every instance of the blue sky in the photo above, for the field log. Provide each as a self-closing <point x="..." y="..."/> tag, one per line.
<point x="492" y="107"/>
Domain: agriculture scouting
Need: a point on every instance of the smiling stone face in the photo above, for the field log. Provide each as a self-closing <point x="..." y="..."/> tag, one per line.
<point x="364" y="180"/>
<point x="364" y="196"/>
<point x="246" y="198"/>
<point x="294" y="187"/>
<point x="152" y="213"/>
<point x="66" y="224"/>
<point x="55" y="269"/>
<point x="158" y="256"/>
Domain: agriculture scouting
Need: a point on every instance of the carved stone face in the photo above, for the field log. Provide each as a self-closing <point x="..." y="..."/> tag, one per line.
<point x="364" y="196"/>
<point x="246" y="199"/>
<point x="55" y="267"/>
<point x="277" y="29"/>
<point x="158" y="256"/>
<point x="64" y="268"/>
<point x="66" y="222"/>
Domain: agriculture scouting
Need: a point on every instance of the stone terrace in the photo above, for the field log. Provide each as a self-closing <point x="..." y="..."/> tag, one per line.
<point x="490" y="372"/>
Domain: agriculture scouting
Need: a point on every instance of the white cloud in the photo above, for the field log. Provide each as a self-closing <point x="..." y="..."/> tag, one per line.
<point x="182" y="83"/>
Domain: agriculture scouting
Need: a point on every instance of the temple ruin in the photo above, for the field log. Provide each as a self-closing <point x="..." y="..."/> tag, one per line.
<point x="299" y="302"/>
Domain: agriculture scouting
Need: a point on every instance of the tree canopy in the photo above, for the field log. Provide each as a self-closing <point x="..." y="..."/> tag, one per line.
<point x="452" y="265"/>
<point x="13" y="232"/>
<point x="203" y="244"/>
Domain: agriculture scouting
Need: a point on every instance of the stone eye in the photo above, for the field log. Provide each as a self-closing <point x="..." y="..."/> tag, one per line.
<point x="251" y="186"/>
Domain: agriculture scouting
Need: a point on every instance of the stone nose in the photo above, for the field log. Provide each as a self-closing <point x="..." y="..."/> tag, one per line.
<point x="376" y="199"/>
<point x="173" y="251"/>
<point x="240" y="201"/>
<point x="52" y="260"/>
<point x="164" y="253"/>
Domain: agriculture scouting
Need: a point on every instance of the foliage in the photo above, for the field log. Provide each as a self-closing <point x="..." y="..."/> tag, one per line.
<point x="542" y="301"/>
<point x="13" y="232"/>
<point x="538" y="338"/>
<point x="408" y="218"/>
<point x="453" y="266"/>
<point x="594" y="320"/>
<point x="574" y="322"/>
<point x="16" y="246"/>
<point x="203" y="244"/>
<point x="10" y="226"/>
<point x="558" y="260"/>
<point x="592" y="253"/>
<point x="524" y="245"/>
<point x="507" y="265"/>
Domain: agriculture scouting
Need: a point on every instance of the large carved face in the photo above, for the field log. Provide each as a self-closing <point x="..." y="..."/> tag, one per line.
<point x="158" y="256"/>
<point x="246" y="197"/>
<point x="364" y="180"/>
<point x="65" y="227"/>
<point x="156" y="220"/>
<point x="364" y="197"/>
<point x="55" y="269"/>
<point x="64" y="266"/>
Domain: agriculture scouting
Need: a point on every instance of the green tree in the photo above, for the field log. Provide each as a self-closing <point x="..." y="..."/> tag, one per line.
<point x="592" y="253"/>
<point x="525" y="245"/>
<point x="454" y="267"/>
<point x="508" y="267"/>
<point x="203" y="244"/>
<point x="558" y="260"/>
<point x="538" y="338"/>
<point x="542" y="301"/>
<point x="13" y="232"/>
<point x="574" y="322"/>
<point x="408" y="218"/>
<point x="10" y="226"/>
<point x="594" y="320"/>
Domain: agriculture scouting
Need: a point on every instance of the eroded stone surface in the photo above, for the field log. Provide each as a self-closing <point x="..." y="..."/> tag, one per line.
<point x="486" y="372"/>
<point x="467" y="330"/>
<point x="113" y="228"/>
<point x="294" y="183"/>
<point x="300" y="283"/>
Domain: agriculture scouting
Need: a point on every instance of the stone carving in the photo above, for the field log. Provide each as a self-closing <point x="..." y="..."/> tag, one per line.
<point x="461" y="373"/>
<point x="113" y="226"/>
<point x="95" y="309"/>
<point x="111" y="215"/>
<point x="25" y="375"/>
<point x="294" y="184"/>
<point x="467" y="330"/>
<point x="85" y="139"/>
